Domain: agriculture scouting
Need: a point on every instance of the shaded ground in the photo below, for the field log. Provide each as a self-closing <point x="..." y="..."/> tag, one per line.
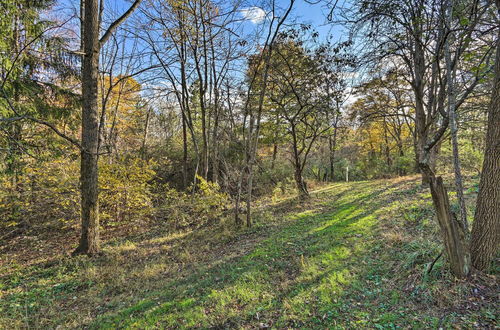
<point x="354" y="255"/>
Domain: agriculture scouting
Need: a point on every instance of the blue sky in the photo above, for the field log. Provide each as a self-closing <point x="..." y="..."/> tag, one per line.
<point x="314" y="14"/>
<point x="303" y="12"/>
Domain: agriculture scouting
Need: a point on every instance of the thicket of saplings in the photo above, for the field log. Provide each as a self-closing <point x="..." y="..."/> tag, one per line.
<point x="134" y="189"/>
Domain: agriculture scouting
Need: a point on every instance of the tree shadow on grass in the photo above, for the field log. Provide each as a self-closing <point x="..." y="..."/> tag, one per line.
<point x="276" y="268"/>
<point x="291" y="278"/>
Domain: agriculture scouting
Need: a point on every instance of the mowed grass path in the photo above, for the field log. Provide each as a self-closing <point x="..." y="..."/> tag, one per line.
<point x="354" y="255"/>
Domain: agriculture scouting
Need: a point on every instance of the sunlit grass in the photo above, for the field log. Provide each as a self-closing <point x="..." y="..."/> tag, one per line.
<point x="341" y="259"/>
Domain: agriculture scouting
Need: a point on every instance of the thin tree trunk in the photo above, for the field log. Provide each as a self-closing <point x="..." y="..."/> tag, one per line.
<point x="145" y="136"/>
<point x="275" y="142"/>
<point x="184" y="151"/>
<point x="332" y="144"/>
<point x="251" y="150"/>
<point x="450" y="77"/>
<point x="299" y="180"/>
<point x="275" y="154"/>
<point x="387" y="150"/>
<point x="237" y="218"/>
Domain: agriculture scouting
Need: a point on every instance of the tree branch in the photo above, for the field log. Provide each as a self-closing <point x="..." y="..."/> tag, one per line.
<point x="39" y="121"/>
<point x="118" y="21"/>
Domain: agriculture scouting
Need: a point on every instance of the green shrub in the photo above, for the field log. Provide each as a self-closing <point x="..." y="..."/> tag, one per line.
<point x="404" y="164"/>
<point x="47" y="194"/>
<point x="205" y="204"/>
<point x="124" y="191"/>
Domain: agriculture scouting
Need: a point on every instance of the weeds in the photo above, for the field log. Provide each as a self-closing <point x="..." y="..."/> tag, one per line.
<point x="354" y="255"/>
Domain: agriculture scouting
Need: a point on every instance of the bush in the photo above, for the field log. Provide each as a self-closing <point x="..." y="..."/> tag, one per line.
<point x="202" y="206"/>
<point x="404" y="164"/>
<point x="284" y="188"/>
<point x="47" y="194"/>
<point x="124" y="191"/>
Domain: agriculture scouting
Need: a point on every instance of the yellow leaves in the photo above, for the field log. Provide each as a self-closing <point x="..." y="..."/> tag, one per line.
<point x="181" y="210"/>
<point x="370" y="135"/>
<point x="125" y="195"/>
<point x="120" y="94"/>
<point x="49" y="193"/>
<point x="124" y="117"/>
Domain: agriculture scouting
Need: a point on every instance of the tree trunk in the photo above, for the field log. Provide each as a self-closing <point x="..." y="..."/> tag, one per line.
<point x="420" y="116"/>
<point x="237" y="218"/>
<point x="275" y="154"/>
<point x="249" y="196"/>
<point x="451" y="229"/>
<point x="486" y="226"/>
<point x="145" y="136"/>
<point x="332" y="145"/>
<point x="401" y="171"/>
<point x="387" y="150"/>
<point x="450" y="77"/>
<point x="300" y="183"/>
<point x="89" y="240"/>
<point x="184" y="152"/>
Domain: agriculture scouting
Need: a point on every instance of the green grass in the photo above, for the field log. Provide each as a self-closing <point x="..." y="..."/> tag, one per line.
<point x="354" y="255"/>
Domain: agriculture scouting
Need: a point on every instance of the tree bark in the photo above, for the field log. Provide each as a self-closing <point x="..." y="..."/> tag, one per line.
<point x="275" y="154"/>
<point x="486" y="227"/>
<point x="145" y="136"/>
<point x="184" y="151"/>
<point x="89" y="240"/>
<point x="300" y="183"/>
<point x="421" y="130"/>
<point x="452" y="230"/>
<point x="332" y="146"/>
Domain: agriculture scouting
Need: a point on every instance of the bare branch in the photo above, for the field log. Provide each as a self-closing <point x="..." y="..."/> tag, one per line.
<point x="118" y="21"/>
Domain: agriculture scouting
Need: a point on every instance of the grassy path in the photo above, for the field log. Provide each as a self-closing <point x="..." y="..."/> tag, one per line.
<point x="353" y="256"/>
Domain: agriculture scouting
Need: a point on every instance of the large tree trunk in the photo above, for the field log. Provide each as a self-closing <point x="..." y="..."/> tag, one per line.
<point x="89" y="240"/>
<point x="486" y="226"/>
<point x="452" y="231"/>
<point x="421" y="130"/>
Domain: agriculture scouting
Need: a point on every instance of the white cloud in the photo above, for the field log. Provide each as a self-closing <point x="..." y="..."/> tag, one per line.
<point x="254" y="14"/>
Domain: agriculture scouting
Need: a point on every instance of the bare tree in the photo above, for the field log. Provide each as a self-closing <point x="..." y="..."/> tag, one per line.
<point x="251" y="137"/>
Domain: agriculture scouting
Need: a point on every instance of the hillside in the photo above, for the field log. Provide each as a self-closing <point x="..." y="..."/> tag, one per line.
<point x="353" y="255"/>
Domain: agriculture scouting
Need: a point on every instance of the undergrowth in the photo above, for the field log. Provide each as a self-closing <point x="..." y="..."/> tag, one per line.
<point x="353" y="255"/>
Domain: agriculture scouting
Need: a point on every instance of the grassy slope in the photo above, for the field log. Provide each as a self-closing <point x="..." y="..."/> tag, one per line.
<point x="354" y="255"/>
